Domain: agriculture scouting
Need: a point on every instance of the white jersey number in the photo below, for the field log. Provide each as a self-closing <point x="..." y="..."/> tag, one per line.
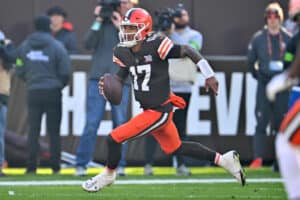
<point x="141" y="69"/>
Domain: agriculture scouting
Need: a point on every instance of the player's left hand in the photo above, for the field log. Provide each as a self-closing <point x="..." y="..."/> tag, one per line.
<point x="212" y="83"/>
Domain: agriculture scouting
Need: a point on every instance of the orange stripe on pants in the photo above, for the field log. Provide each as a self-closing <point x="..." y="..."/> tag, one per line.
<point x="291" y="115"/>
<point x="160" y="125"/>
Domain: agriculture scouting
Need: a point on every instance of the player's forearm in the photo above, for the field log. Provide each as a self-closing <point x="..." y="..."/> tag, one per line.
<point x="200" y="61"/>
<point x="190" y="52"/>
<point x="121" y="75"/>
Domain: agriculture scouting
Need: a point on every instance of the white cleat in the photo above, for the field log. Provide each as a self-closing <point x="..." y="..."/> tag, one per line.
<point x="231" y="162"/>
<point x="100" y="181"/>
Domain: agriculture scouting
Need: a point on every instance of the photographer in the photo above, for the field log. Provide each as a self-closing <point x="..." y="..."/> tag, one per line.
<point x="101" y="38"/>
<point x="174" y="23"/>
<point x="6" y="61"/>
<point x="165" y="21"/>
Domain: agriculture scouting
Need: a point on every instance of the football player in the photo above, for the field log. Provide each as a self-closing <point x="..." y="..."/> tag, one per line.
<point x="144" y="56"/>
<point x="288" y="140"/>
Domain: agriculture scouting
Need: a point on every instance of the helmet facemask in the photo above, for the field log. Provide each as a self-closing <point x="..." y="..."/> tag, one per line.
<point x="129" y="38"/>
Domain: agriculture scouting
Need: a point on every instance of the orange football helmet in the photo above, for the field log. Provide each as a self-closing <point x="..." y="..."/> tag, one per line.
<point x="139" y="20"/>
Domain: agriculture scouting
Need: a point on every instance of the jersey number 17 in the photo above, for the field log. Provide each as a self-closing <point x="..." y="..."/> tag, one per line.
<point x="136" y="73"/>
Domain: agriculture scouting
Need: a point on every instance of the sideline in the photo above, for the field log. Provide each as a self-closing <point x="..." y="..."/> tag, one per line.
<point x="140" y="182"/>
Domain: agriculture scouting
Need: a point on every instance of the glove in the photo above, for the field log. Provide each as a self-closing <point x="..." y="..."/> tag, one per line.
<point x="279" y="83"/>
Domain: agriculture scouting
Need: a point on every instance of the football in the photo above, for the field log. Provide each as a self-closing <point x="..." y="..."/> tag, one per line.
<point x="112" y="89"/>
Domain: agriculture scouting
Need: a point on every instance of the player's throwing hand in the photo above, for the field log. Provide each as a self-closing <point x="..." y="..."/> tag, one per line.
<point x="212" y="83"/>
<point x="101" y="85"/>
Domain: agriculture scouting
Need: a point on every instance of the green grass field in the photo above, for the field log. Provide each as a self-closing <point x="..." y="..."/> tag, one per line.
<point x="262" y="184"/>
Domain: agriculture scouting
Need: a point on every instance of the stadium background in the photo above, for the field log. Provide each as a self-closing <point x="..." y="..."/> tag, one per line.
<point x="227" y="27"/>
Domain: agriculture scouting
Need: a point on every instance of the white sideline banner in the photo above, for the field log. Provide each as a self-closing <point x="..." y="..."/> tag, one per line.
<point x="236" y="98"/>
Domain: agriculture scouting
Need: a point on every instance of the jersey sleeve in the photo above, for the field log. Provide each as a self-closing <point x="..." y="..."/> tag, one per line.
<point x="164" y="48"/>
<point x="175" y="52"/>
<point x="123" y="73"/>
<point x="117" y="57"/>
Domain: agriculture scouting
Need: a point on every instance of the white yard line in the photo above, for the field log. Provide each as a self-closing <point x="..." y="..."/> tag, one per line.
<point x="138" y="182"/>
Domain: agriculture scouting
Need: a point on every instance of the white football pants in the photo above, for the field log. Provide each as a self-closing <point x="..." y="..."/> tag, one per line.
<point x="289" y="164"/>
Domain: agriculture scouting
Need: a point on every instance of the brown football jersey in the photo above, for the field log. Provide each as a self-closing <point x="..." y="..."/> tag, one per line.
<point x="148" y="69"/>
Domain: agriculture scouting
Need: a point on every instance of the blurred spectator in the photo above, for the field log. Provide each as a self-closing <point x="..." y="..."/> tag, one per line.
<point x="265" y="54"/>
<point x="183" y="33"/>
<point x="62" y="29"/>
<point x="44" y="65"/>
<point x="101" y="38"/>
<point x="6" y="61"/>
<point x="182" y="79"/>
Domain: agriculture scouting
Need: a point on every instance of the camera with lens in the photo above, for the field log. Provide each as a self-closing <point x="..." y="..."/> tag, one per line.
<point x="107" y="8"/>
<point x="178" y="10"/>
<point x="164" y="19"/>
